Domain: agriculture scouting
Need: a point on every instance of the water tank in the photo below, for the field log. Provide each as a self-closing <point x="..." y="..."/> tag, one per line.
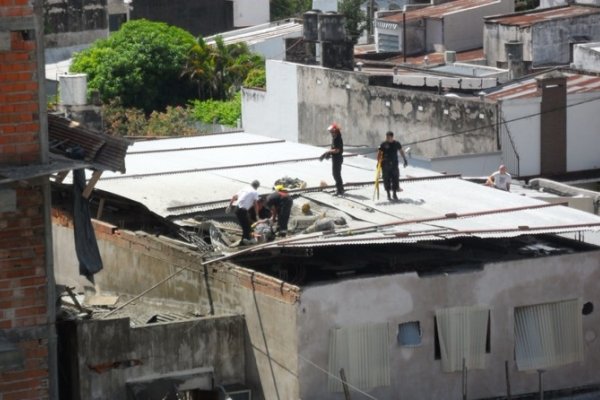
<point x="73" y="89"/>
<point x="311" y="25"/>
<point x="331" y="27"/>
<point x="449" y="57"/>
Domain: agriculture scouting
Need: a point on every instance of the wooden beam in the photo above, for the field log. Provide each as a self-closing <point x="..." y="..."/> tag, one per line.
<point x="91" y="183"/>
<point x="60" y="177"/>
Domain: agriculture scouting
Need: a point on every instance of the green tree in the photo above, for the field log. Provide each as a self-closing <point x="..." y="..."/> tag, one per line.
<point x="219" y="70"/>
<point x="356" y="20"/>
<point x="282" y="9"/>
<point x="142" y="64"/>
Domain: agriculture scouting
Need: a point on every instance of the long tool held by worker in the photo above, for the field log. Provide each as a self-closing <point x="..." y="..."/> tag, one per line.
<point x="377" y="177"/>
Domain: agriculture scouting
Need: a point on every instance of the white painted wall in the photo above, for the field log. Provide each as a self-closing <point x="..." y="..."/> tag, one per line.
<point x="583" y="132"/>
<point x="250" y="12"/>
<point x="525" y="132"/>
<point x="407" y="297"/>
<point x="434" y="33"/>
<point x="587" y="57"/>
<point x="325" y="5"/>
<point x="463" y="30"/>
<point x="482" y="164"/>
<point x="556" y="3"/>
<point x="274" y="112"/>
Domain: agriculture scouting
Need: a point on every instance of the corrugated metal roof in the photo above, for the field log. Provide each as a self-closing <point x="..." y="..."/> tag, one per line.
<point x="167" y="177"/>
<point x="105" y="152"/>
<point x="576" y="83"/>
<point x="533" y="17"/>
<point x="259" y="33"/>
<point x="438" y="11"/>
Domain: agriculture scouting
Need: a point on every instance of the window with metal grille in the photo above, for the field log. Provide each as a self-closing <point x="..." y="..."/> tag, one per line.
<point x="548" y="335"/>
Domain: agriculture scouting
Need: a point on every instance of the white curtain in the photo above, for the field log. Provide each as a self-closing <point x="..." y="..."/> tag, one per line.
<point x="363" y="352"/>
<point x="462" y="333"/>
<point x="548" y="335"/>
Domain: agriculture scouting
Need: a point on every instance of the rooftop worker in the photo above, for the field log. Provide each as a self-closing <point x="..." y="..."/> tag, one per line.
<point x="336" y="153"/>
<point x="387" y="156"/>
<point x="280" y="204"/>
<point x="263" y="212"/>
<point x="245" y="200"/>
<point x="500" y="179"/>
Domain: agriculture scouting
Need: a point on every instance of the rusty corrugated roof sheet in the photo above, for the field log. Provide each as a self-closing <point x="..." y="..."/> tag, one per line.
<point x="103" y="151"/>
<point x="438" y="11"/>
<point x="576" y="83"/>
<point x="529" y="18"/>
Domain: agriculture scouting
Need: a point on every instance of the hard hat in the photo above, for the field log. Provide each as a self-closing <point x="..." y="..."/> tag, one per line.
<point x="279" y="188"/>
<point x="333" y="127"/>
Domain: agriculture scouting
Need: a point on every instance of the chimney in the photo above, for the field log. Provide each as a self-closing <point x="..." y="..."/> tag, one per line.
<point x="552" y="88"/>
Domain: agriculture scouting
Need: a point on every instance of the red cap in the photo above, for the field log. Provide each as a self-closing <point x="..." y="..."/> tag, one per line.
<point x="333" y="127"/>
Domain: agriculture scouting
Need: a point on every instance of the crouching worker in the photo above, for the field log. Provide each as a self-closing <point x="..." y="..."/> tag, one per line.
<point x="246" y="199"/>
<point x="280" y="204"/>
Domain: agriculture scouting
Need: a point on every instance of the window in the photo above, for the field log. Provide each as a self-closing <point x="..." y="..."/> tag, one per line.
<point x="363" y="352"/>
<point x="548" y="335"/>
<point x="409" y="334"/>
<point x="462" y="332"/>
<point x="388" y="42"/>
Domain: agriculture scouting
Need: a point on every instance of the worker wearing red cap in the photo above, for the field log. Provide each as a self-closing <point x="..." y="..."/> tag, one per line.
<point x="336" y="153"/>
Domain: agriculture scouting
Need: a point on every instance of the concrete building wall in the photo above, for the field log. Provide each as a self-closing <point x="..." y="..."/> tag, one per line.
<point x="583" y="132"/>
<point x="557" y="3"/>
<point x="27" y="336"/>
<point x="434" y="33"/>
<point x="366" y="112"/>
<point x="551" y="39"/>
<point x="133" y="262"/>
<point x="463" y="30"/>
<point x="273" y="112"/>
<point x="525" y="132"/>
<point x="110" y="354"/>
<point x="250" y="12"/>
<point x="200" y="17"/>
<point x="407" y="297"/>
<point x="587" y="57"/>
<point x="496" y="35"/>
<point x="68" y="23"/>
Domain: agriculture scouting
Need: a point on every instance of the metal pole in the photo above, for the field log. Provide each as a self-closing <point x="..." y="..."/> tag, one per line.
<point x="345" y="384"/>
<point x="404" y="34"/>
<point x="464" y="379"/>
<point x="371" y="21"/>
<point x="541" y="383"/>
<point x="508" y="395"/>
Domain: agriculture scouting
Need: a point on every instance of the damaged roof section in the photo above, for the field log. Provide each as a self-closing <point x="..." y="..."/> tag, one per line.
<point x="102" y="151"/>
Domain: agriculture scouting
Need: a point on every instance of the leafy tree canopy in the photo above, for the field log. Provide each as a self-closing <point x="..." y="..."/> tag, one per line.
<point x="142" y="64"/>
<point x="282" y="9"/>
<point x="356" y="20"/>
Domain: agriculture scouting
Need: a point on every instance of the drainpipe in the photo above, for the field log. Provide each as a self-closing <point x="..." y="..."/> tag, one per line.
<point x="404" y="33"/>
<point x="46" y="193"/>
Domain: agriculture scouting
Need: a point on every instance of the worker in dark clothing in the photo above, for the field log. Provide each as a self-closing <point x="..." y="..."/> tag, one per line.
<point x="387" y="156"/>
<point x="280" y="204"/>
<point x="263" y="211"/>
<point x="336" y="153"/>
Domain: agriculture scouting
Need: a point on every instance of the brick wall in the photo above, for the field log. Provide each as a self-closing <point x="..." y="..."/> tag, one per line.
<point x="23" y="282"/>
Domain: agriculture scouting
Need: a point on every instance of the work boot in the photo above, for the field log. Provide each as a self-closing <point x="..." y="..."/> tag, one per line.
<point x="395" y="195"/>
<point x="388" y="193"/>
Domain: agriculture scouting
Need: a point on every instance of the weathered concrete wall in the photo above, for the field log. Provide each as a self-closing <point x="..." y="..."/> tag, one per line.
<point x="273" y="112"/>
<point x="366" y="112"/>
<point x="134" y="262"/>
<point x="72" y="23"/>
<point x="496" y="35"/>
<point x="587" y="57"/>
<point x="110" y="353"/>
<point x="557" y="3"/>
<point x="406" y="297"/>
<point x="250" y="12"/>
<point x="525" y="132"/>
<point x="463" y="30"/>
<point x="551" y="38"/>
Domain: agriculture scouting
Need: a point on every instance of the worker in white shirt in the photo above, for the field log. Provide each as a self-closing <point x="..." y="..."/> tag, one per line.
<point x="246" y="199"/>
<point x="500" y="179"/>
